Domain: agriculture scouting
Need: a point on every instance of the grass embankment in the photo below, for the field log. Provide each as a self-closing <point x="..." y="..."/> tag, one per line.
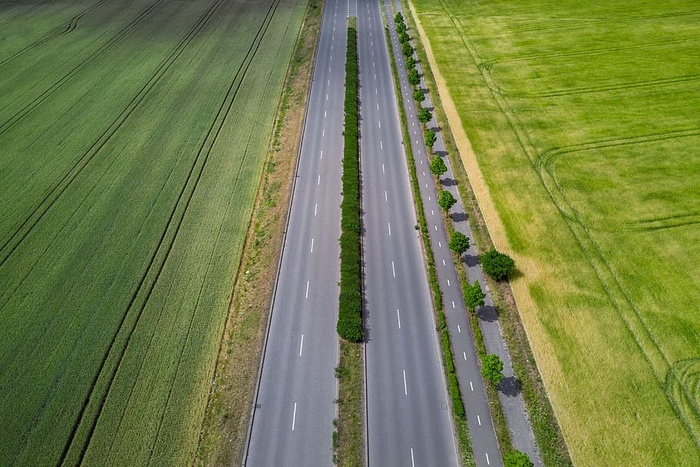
<point x="348" y="440"/>
<point x="225" y="427"/>
<point x="458" y="416"/>
<point x="133" y="146"/>
<point x="582" y="168"/>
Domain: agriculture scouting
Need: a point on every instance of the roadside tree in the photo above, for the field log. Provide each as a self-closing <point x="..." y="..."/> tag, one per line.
<point x="430" y="138"/>
<point x="406" y="49"/>
<point x="497" y="265"/>
<point x="410" y="63"/>
<point x="474" y="296"/>
<point x="425" y="115"/>
<point x="419" y="95"/>
<point x="438" y="166"/>
<point x="413" y="77"/>
<point x="492" y="368"/>
<point x="446" y="200"/>
<point x="459" y="243"/>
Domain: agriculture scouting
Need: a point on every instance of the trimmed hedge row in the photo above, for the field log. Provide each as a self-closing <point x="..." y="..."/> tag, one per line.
<point x="350" y="310"/>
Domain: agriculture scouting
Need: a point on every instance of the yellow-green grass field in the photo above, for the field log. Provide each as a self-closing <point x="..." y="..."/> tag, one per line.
<point x="584" y="119"/>
<point x="132" y="139"/>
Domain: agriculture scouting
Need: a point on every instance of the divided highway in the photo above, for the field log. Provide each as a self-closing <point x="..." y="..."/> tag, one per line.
<point x="294" y="408"/>
<point x="408" y="417"/>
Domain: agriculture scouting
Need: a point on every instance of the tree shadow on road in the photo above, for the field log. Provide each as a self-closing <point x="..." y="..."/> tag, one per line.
<point x="510" y="386"/>
<point x="488" y="313"/>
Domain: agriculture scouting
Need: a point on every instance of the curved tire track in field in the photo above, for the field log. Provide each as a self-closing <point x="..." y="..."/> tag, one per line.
<point x="12" y="241"/>
<point x="56" y="33"/>
<point x="145" y="288"/>
<point x="627" y="310"/>
<point x="34" y="103"/>
<point x="24" y="12"/>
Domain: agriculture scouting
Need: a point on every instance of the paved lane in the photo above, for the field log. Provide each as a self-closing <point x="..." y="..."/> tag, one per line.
<point x="408" y="420"/>
<point x="294" y="410"/>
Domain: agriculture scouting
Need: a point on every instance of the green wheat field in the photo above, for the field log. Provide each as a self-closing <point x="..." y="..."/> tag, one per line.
<point x="585" y="121"/>
<point x="133" y="135"/>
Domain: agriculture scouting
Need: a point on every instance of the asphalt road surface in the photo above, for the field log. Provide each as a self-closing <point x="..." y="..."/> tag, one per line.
<point x="408" y="418"/>
<point x="484" y="444"/>
<point x="294" y="408"/>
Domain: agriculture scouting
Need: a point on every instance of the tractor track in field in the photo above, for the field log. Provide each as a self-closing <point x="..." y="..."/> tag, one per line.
<point x="157" y="262"/>
<point x="620" y="298"/>
<point x="56" y="33"/>
<point x="97" y="53"/>
<point x="13" y="240"/>
<point x="24" y="12"/>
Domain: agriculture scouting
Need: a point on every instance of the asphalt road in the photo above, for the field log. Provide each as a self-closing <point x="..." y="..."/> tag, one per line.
<point x="408" y="418"/>
<point x="484" y="444"/>
<point x="294" y="408"/>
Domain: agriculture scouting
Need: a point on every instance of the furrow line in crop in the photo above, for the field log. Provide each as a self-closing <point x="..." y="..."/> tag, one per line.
<point x="58" y="32"/>
<point x="11" y="243"/>
<point x="24" y="12"/>
<point x="148" y="281"/>
<point x="34" y="103"/>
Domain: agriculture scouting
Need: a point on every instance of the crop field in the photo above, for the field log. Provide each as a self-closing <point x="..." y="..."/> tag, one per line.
<point x="584" y="119"/>
<point x="133" y="135"/>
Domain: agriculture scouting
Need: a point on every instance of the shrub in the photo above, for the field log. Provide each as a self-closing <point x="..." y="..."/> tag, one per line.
<point x="517" y="459"/>
<point x="497" y="265"/>
<point x="492" y="368"/>
<point x="459" y="243"/>
<point x="438" y="166"/>
<point x="406" y="49"/>
<point x="419" y="95"/>
<point x="413" y="77"/>
<point x="446" y="200"/>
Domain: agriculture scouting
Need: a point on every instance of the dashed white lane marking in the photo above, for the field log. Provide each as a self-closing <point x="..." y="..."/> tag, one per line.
<point x="318" y="182"/>
<point x="294" y="417"/>
<point x="459" y="329"/>
<point x="326" y="96"/>
<point x="439" y="243"/>
<point x="432" y="212"/>
<point x="389" y="226"/>
<point x="448" y="282"/>
<point x="377" y="106"/>
<point x="376" y="90"/>
<point x="488" y="462"/>
<point x="465" y="355"/>
<point x="471" y="386"/>
<point x="478" y="419"/>
<point x="312" y="245"/>
<point x="383" y="171"/>
<point x="453" y="306"/>
<point x="436" y="225"/>
<point x="386" y="196"/>
<point x="381" y="144"/>
<point x="323" y="133"/>
<point x="428" y="198"/>
<point x="393" y="269"/>
<point x="329" y="82"/>
<point x="443" y="261"/>
<point x="379" y="122"/>
<point x="398" y="317"/>
<point x="325" y="113"/>
<point x="321" y="154"/>
<point x="307" y="289"/>
<point x="301" y="346"/>
<point x="421" y="162"/>
<point x="426" y="185"/>
<point x="413" y="462"/>
<point x="315" y="209"/>
<point x="405" y="387"/>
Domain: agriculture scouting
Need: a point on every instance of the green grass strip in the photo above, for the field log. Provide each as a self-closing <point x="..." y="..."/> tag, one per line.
<point x="466" y="452"/>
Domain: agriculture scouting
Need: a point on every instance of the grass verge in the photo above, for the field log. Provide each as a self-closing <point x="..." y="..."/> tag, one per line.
<point x="466" y="453"/>
<point x="224" y="429"/>
<point x="544" y="424"/>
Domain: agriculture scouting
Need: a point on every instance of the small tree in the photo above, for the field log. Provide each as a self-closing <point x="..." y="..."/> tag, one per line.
<point x="425" y="115"/>
<point x="413" y="77"/>
<point x="401" y="27"/>
<point x="474" y="296"/>
<point x="404" y="37"/>
<point x="517" y="459"/>
<point x="446" y="200"/>
<point x="419" y="95"/>
<point x="459" y="243"/>
<point x="430" y="138"/>
<point x="437" y="166"/>
<point x="398" y="18"/>
<point x="410" y="63"/>
<point x="492" y="368"/>
<point x="497" y="265"/>
<point x="406" y="49"/>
